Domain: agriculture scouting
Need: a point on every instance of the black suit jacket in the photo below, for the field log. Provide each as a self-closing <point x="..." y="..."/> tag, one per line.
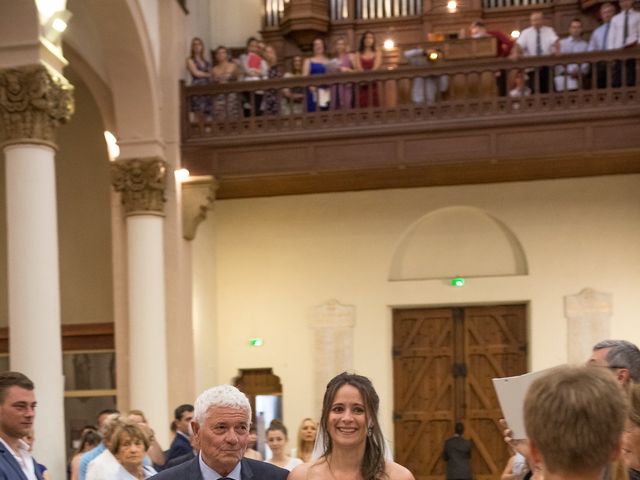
<point x="9" y="468"/>
<point x="249" y="470"/>
<point x="457" y="453"/>
<point x="180" y="446"/>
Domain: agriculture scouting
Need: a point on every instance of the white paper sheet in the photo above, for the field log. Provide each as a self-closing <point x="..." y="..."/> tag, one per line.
<point x="511" y="392"/>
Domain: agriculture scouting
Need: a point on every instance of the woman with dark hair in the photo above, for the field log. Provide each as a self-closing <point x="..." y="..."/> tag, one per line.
<point x="318" y="98"/>
<point x="368" y="57"/>
<point x="350" y="444"/>
<point x="225" y="106"/>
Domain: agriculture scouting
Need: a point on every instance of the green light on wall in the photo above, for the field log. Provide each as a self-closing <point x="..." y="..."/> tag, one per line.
<point x="457" y="282"/>
<point x="256" y="342"/>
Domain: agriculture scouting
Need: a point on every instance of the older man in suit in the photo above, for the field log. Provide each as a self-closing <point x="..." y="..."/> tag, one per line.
<point x="457" y="454"/>
<point x="222" y="418"/>
<point x="17" y="412"/>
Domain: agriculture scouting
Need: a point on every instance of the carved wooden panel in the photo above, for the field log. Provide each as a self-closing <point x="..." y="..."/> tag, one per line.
<point x="444" y="360"/>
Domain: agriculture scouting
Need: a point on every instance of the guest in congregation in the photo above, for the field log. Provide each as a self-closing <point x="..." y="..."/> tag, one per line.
<point x="30" y="440"/>
<point x="631" y="436"/>
<point x="504" y="45"/>
<point x="519" y="86"/>
<point x="351" y="443"/>
<point x="277" y="439"/>
<point x="271" y="99"/>
<point x="221" y="425"/>
<point x="306" y="440"/>
<point x="572" y="76"/>
<point x="129" y="445"/>
<point x="155" y="453"/>
<point x="457" y="454"/>
<point x="368" y="58"/>
<point x="104" y="419"/>
<point x="293" y="98"/>
<point x="574" y="419"/>
<point x="181" y="444"/>
<point x="105" y="465"/>
<point x="620" y="357"/>
<point x="88" y="441"/>
<point x="624" y="33"/>
<point x="225" y="106"/>
<point x="517" y="468"/>
<point x="342" y="62"/>
<point x="17" y="414"/>
<point x="318" y="98"/>
<point x="251" y="451"/>
<point x="598" y="41"/>
<point x="200" y="70"/>
<point x="536" y="41"/>
<point x="253" y="68"/>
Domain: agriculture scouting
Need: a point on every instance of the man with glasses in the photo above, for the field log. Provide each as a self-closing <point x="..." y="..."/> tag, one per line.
<point x="621" y="357"/>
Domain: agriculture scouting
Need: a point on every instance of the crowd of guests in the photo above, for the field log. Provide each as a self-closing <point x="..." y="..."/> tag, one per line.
<point x="260" y="62"/>
<point x="582" y="422"/>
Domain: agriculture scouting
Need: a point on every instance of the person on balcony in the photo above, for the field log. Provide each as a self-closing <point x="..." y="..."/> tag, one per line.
<point x="293" y="98"/>
<point x="200" y="70"/>
<point x="536" y="41"/>
<point x="504" y="45"/>
<point x="598" y="41"/>
<point x="225" y="106"/>
<point x="342" y="62"/>
<point x="318" y="98"/>
<point x="368" y="58"/>
<point x="425" y="89"/>
<point x="270" y="101"/>
<point x="253" y="68"/>
<point x="624" y="33"/>
<point x="571" y="77"/>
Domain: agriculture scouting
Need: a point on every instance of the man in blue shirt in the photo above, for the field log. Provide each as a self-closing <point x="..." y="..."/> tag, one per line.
<point x="598" y="41"/>
<point x="87" y="457"/>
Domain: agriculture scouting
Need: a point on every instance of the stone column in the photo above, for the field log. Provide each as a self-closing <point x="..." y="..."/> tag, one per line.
<point x="34" y="100"/>
<point x="142" y="183"/>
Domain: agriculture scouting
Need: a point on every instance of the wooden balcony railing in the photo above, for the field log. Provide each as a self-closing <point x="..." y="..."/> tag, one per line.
<point x="495" y="4"/>
<point x="437" y="96"/>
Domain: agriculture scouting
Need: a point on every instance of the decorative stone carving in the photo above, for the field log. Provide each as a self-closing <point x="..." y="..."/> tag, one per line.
<point x="333" y="344"/>
<point x="198" y="195"/>
<point x="34" y="101"/>
<point x="142" y="182"/>
<point x="588" y="321"/>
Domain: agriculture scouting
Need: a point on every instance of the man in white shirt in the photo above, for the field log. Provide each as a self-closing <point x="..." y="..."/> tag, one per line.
<point x="17" y="413"/>
<point x="624" y="33"/>
<point x="570" y="77"/>
<point x="536" y="41"/>
<point x="598" y="41"/>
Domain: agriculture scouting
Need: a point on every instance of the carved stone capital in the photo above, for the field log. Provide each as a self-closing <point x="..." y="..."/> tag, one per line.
<point x="198" y="195"/>
<point x="142" y="183"/>
<point x="34" y="101"/>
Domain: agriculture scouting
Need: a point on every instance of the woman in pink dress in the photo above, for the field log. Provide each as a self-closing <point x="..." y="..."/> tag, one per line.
<point x="368" y="58"/>
<point x="342" y="62"/>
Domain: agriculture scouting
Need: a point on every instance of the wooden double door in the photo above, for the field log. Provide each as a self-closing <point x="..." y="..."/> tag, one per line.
<point x="444" y="360"/>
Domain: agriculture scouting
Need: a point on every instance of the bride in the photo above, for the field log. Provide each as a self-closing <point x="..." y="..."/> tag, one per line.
<point x="350" y="445"/>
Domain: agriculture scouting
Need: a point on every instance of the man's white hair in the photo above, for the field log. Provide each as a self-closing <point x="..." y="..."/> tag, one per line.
<point x="220" y="396"/>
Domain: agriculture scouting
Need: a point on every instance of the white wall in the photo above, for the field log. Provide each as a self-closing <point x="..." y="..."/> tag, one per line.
<point x="278" y="257"/>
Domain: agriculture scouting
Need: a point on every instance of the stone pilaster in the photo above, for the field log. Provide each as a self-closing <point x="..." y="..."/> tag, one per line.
<point x="142" y="183"/>
<point x="588" y="315"/>
<point x="34" y="101"/>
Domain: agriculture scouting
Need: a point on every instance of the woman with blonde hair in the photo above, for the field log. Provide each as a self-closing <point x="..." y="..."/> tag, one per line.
<point x="306" y="439"/>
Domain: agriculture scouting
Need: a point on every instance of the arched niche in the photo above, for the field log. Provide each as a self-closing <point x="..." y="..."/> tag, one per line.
<point x="457" y="241"/>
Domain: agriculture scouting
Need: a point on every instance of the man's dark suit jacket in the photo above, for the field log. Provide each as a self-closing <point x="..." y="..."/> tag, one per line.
<point x="457" y="453"/>
<point x="9" y="468"/>
<point x="249" y="470"/>
<point x="180" y="446"/>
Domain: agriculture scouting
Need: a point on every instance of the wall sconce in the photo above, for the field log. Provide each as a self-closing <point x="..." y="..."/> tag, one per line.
<point x="181" y="174"/>
<point x="452" y="6"/>
<point x="56" y="25"/>
<point x="515" y="34"/>
<point x="389" y="44"/>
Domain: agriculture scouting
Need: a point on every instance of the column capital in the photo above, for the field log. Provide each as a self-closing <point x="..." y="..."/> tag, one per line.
<point x="34" y="101"/>
<point x="142" y="183"/>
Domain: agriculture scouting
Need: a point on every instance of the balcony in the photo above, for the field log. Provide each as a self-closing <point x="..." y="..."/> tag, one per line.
<point x="383" y="138"/>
